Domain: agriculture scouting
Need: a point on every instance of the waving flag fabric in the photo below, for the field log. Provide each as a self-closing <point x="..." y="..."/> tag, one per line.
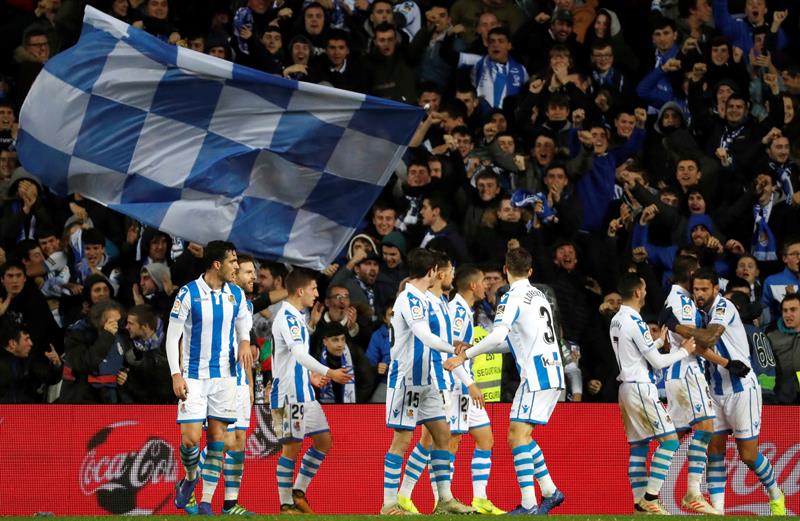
<point x="205" y="149"/>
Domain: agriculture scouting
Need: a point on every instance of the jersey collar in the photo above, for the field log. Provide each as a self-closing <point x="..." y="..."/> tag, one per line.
<point x="206" y="289"/>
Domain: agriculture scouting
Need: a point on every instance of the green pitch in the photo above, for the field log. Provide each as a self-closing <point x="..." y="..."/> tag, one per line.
<point x="369" y="518"/>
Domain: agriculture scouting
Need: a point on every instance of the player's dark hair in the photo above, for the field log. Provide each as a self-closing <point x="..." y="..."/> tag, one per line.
<point x="465" y="275"/>
<point x="243" y="257"/>
<point x="144" y="315"/>
<point x="217" y="251"/>
<point x="420" y="261"/>
<point x="298" y="278"/>
<point x="682" y="268"/>
<point x="442" y="259"/>
<point x="93" y="236"/>
<point x="628" y="284"/>
<point x="706" y="274"/>
<point x="518" y="262"/>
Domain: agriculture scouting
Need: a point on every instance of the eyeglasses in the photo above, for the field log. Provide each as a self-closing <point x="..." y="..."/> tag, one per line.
<point x="793" y="254"/>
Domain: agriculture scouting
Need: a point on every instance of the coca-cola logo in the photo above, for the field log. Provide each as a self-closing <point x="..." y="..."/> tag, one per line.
<point x="744" y="492"/>
<point x="121" y="461"/>
<point x="151" y="464"/>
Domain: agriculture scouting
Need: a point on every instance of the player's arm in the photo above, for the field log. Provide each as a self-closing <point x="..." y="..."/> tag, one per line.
<point x="423" y="332"/>
<point x="494" y="342"/>
<point x="177" y="320"/>
<point x="720" y="317"/>
<point x="648" y="348"/>
<point x="706" y="337"/>
<point x="243" y="325"/>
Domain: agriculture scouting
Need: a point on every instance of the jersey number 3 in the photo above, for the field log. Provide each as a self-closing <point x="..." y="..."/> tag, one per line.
<point x="549" y="335"/>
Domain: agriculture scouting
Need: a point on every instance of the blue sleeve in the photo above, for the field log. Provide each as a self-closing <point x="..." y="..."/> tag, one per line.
<point x="573" y="142"/>
<point x="726" y="24"/>
<point x="648" y="88"/>
<point x="640" y="234"/>
<point x="374" y="348"/>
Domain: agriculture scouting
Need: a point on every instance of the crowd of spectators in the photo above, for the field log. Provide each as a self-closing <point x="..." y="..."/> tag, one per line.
<point x="603" y="136"/>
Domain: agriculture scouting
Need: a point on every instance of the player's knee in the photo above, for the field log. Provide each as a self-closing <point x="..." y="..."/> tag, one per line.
<point x="323" y="443"/>
<point x="190" y="439"/>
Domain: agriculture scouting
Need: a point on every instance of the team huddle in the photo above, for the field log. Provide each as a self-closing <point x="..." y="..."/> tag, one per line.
<point x="701" y="328"/>
<point x="430" y="384"/>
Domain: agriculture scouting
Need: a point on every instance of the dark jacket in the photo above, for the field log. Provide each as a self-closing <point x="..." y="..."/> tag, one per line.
<point x="786" y="348"/>
<point x="22" y="378"/>
<point x="85" y="349"/>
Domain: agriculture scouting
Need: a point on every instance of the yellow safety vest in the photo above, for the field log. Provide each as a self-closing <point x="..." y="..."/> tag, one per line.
<point x="487" y="370"/>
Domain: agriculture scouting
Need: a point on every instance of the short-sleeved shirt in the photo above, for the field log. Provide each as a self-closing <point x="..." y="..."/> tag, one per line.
<point x="410" y="357"/>
<point x="732" y="345"/>
<point x="210" y="320"/>
<point x="687" y="314"/>
<point x="631" y="339"/>
<point x="532" y="339"/>
<point x="291" y="382"/>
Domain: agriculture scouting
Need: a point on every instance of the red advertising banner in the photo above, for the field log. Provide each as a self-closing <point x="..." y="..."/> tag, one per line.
<point x="83" y="460"/>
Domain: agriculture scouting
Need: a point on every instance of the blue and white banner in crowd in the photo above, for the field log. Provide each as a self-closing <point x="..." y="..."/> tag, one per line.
<point x="205" y="149"/>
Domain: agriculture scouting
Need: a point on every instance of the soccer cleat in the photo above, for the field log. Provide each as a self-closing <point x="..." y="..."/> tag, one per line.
<point x="452" y="506"/>
<point x="522" y="511"/>
<point x="290" y="510"/>
<point x="778" y="506"/>
<point x="204" y="509"/>
<point x="237" y="510"/>
<point x="484" y="506"/>
<point x="653" y="507"/>
<point x="184" y="490"/>
<point x="394" y="509"/>
<point x="191" y="505"/>
<point x="551" y="502"/>
<point x="406" y="504"/>
<point x="300" y="501"/>
<point x="698" y="504"/>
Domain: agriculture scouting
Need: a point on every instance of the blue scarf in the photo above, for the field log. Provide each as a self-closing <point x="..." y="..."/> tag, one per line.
<point x="763" y="246"/>
<point x="327" y="393"/>
<point x="783" y="174"/>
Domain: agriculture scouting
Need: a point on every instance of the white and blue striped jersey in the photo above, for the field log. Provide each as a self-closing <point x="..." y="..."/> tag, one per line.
<point x="211" y="321"/>
<point x="410" y="358"/>
<point x="732" y="345"/>
<point x="631" y="338"/>
<point x="291" y="382"/>
<point x="461" y="315"/>
<point x="532" y="338"/>
<point x="241" y="376"/>
<point x="687" y="314"/>
<point x="439" y="322"/>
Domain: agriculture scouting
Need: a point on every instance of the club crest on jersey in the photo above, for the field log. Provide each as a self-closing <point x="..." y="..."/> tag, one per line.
<point x="686" y="311"/>
<point x="231" y="298"/>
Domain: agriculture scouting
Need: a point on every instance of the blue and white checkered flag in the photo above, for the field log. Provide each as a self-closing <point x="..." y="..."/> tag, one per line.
<point x="205" y="149"/>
